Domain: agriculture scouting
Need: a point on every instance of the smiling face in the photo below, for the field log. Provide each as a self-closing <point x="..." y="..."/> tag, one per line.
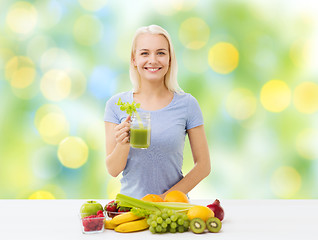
<point x="152" y="57"/>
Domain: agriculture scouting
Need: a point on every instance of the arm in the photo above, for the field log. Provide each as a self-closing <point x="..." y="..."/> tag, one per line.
<point x="117" y="146"/>
<point x="201" y="158"/>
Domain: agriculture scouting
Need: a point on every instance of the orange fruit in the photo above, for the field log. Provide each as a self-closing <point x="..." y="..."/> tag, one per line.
<point x="200" y="212"/>
<point x="152" y="198"/>
<point x="176" y="196"/>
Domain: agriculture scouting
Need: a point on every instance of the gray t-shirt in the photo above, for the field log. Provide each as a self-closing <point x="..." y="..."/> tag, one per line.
<point x="159" y="167"/>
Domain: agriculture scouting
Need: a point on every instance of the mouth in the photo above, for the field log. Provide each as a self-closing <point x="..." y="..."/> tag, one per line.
<point x="152" y="69"/>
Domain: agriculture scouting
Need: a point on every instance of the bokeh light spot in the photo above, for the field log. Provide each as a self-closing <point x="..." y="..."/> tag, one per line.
<point x="15" y="64"/>
<point x="307" y="143"/>
<point x="87" y="30"/>
<point x="306" y="97"/>
<point x="51" y="124"/>
<point x="23" y="77"/>
<point x="103" y="82"/>
<point x="286" y="182"/>
<point x="194" y="33"/>
<point x="43" y="111"/>
<point x="55" y="85"/>
<point x="53" y="128"/>
<point x="41" y="195"/>
<point x="92" y="5"/>
<point x="275" y="95"/>
<point x="241" y="103"/>
<point x="223" y="57"/>
<point x="22" y="18"/>
<point x="73" y="152"/>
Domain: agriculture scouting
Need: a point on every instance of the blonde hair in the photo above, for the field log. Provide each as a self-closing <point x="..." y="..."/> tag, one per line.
<point x="170" y="81"/>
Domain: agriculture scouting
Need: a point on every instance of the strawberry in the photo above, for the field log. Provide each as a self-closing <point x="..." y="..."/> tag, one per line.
<point x="110" y="208"/>
<point x="123" y="209"/>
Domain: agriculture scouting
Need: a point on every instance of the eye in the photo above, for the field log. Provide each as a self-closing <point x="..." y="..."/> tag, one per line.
<point x="144" y="53"/>
<point x="161" y="53"/>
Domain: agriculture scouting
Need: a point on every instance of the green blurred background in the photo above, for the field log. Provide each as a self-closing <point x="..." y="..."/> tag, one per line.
<point x="252" y="65"/>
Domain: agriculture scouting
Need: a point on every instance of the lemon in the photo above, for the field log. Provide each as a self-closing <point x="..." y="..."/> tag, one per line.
<point x="200" y="212"/>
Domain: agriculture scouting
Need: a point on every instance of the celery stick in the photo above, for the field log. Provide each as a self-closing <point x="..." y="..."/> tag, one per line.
<point x="141" y="126"/>
<point x="126" y="201"/>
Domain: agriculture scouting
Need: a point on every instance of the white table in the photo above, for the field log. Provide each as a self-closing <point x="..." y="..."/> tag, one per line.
<point x="244" y="219"/>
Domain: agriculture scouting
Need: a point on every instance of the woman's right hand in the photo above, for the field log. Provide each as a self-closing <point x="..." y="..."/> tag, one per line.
<point x="122" y="131"/>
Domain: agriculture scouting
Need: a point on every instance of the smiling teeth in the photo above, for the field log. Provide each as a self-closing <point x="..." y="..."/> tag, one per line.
<point x="153" y="69"/>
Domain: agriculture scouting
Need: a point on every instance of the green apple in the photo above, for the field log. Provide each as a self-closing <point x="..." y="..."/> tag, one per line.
<point x="90" y="208"/>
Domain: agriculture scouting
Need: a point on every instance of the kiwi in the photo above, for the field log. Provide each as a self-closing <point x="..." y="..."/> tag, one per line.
<point x="213" y="224"/>
<point x="197" y="225"/>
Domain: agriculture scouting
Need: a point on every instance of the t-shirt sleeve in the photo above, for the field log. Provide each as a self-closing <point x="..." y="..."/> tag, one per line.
<point x="194" y="113"/>
<point x="110" y="114"/>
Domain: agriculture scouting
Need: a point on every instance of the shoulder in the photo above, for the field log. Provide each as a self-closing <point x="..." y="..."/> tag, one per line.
<point x="185" y="98"/>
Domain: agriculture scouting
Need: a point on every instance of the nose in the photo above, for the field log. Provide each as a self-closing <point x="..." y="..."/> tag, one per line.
<point x="152" y="58"/>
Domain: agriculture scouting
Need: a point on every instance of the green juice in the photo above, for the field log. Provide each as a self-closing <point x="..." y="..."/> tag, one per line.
<point x="140" y="138"/>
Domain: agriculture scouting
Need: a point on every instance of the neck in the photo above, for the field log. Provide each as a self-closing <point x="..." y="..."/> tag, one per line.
<point x="152" y="89"/>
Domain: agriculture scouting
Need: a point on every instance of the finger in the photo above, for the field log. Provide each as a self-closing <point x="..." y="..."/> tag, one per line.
<point x="122" y="136"/>
<point x="121" y="131"/>
<point x="126" y="140"/>
<point x="128" y="119"/>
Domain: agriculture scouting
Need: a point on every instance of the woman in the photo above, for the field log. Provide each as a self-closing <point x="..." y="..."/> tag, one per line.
<point x="158" y="169"/>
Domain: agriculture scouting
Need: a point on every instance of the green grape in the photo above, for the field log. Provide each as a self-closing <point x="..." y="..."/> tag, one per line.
<point x="173" y="230"/>
<point x="164" y="215"/>
<point x="180" y="229"/>
<point x="170" y="212"/>
<point x="159" y="220"/>
<point x="168" y="220"/>
<point x="149" y="220"/>
<point x="153" y="217"/>
<point x="185" y="217"/>
<point x="186" y="223"/>
<point x="164" y="230"/>
<point x="174" y="218"/>
<point x="180" y="221"/>
<point x="164" y="224"/>
<point x="173" y="225"/>
<point x="152" y="229"/>
<point x="158" y="229"/>
<point x="165" y="210"/>
<point x="153" y="224"/>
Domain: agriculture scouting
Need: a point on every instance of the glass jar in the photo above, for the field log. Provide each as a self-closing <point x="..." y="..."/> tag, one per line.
<point x="140" y="130"/>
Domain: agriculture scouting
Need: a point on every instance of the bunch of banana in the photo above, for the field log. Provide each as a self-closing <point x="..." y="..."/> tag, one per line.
<point x="127" y="222"/>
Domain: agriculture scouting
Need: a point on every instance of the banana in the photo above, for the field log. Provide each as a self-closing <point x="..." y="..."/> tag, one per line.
<point x="124" y="217"/>
<point x="109" y="225"/>
<point x="133" y="226"/>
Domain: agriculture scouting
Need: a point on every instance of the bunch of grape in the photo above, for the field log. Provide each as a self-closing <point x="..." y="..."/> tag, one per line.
<point x="168" y="221"/>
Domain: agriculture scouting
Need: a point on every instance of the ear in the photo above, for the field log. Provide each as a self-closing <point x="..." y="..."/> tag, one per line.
<point x="133" y="60"/>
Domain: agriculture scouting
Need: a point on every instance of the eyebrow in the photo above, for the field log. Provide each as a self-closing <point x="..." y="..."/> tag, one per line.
<point x="160" y="49"/>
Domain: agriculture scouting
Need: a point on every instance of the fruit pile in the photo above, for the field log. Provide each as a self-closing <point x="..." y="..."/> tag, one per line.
<point x="93" y="222"/>
<point x="172" y="214"/>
